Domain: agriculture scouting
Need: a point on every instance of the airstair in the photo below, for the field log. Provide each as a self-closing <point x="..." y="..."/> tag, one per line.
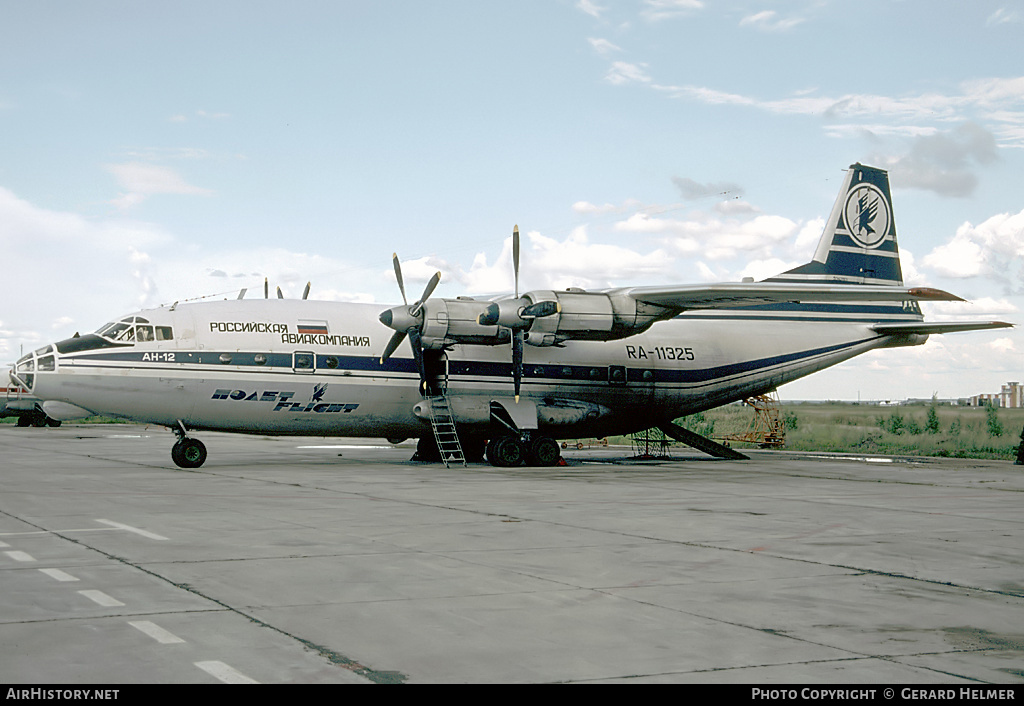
<point x="443" y="424"/>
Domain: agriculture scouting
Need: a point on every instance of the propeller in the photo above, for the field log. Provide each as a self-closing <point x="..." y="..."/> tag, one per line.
<point x="516" y="316"/>
<point x="407" y="320"/>
<point x="280" y="294"/>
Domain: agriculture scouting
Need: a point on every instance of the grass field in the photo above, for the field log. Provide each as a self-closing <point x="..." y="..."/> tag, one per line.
<point x="915" y="429"/>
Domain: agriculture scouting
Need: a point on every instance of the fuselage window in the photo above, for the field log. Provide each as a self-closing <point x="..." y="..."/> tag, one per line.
<point x="164" y="333"/>
<point x="304" y="362"/>
<point x="144" y="333"/>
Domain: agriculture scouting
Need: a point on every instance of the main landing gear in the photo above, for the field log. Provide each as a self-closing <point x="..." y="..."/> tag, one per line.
<point x="187" y="452"/>
<point x="505" y="451"/>
<point x="513" y="450"/>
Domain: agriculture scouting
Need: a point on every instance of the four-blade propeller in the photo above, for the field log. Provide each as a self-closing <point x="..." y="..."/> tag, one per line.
<point x="515" y="314"/>
<point x="407" y="320"/>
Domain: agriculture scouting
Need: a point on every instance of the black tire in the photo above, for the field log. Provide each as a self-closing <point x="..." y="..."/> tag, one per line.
<point x="543" y="451"/>
<point x="188" y="453"/>
<point x="506" y="451"/>
<point x="427" y="451"/>
<point x="474" y="448"/>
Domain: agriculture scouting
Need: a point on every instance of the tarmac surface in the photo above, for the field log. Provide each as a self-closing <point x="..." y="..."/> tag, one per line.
<point x="310" y="560"/>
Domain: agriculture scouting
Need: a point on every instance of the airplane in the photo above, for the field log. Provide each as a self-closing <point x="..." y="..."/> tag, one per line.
<point x="499" y="378"/>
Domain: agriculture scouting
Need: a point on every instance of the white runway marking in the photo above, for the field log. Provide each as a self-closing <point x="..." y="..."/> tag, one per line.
<point x="58" y="574"/>
<point x="136" y="530"/>
<point x="102" y="598"/>
<point x="156" y="632"/>
<point x="20" y="556"/>
<point x="227" y="674"/>
<point x="4" y="544"/>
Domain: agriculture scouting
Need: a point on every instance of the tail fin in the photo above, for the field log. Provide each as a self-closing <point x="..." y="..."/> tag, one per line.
<point x="859" y="242"/>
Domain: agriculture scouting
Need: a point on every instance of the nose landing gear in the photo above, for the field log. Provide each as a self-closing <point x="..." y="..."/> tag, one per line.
<point x="187" y="452"/>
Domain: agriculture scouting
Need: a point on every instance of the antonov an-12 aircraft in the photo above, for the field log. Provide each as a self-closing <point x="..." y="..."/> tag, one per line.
<point x="504" y="377"/>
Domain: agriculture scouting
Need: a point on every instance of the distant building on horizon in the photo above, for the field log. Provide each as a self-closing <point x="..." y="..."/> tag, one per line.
<point x="1010" y="395"/>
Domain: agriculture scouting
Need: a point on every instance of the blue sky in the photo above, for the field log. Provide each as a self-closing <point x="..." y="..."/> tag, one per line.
<point x="159" y="151"/>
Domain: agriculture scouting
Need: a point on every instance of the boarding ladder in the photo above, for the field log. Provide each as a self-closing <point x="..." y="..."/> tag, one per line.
<point x="443" y="423"/>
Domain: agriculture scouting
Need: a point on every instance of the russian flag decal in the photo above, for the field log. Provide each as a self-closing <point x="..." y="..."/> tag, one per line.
<point x="314" y="327"/>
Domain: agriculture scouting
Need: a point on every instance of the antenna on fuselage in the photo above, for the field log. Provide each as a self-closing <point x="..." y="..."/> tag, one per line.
<point x="305" y="292"/>
<point x="241" y="295"/>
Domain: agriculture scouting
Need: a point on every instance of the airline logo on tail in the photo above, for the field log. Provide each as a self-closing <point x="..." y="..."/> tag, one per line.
<point x="867" y="215"/>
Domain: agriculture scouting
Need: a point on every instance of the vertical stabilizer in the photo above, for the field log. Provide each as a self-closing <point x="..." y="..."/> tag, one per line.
<point x="859" y="242"/>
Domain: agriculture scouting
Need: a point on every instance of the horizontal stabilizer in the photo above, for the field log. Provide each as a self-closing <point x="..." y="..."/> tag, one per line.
<point x="733" y="294"/>
<point x="925" y="328"/>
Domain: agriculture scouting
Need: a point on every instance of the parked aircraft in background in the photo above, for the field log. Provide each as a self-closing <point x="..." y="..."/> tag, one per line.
<point x="503" y="377"/>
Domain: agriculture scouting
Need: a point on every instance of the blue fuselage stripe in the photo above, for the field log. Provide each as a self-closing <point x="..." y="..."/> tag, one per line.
<point x="340" y="364"/>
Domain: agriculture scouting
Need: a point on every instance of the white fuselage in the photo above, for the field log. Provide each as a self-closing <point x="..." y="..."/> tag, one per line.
<point x="313" y="368"/>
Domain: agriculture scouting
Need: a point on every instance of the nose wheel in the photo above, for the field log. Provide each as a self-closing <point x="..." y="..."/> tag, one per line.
<point x="187" y="452"/>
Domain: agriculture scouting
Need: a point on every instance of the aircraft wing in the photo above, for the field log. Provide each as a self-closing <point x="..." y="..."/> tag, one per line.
<point x="733" y="294"/>
<point x="938" y="327"/>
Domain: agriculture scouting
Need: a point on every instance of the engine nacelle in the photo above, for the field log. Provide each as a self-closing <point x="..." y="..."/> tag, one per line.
<point x="579" y="316"/>
<point x="447" y="321"/>
<point x="592" y="316"/>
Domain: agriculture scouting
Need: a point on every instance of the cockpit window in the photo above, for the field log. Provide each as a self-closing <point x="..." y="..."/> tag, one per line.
<point x="135" y="328"/>
<point x="115" y="330"/>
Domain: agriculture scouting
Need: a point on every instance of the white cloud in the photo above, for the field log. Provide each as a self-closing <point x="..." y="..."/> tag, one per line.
<point x="81" y="272"/>
<point x="1002" y="345"/>
<point x="141" y="180"/>
<point x="603" y="46"/>
<point x="994" y="248"/>
<point x="972" y="309"/>
<point x="769" y="21"/>
<point x="623" y="72"/>
<point x="590" y="8"/>
<point x="998" y="102"/>
<point x="587" y="208"/>
<point x="716" y="238"/>
<point x="692" y="190"/>
<point x="1003" y="16"/>
<point x="550" y="263"/>
<point x="657" y="10"/>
